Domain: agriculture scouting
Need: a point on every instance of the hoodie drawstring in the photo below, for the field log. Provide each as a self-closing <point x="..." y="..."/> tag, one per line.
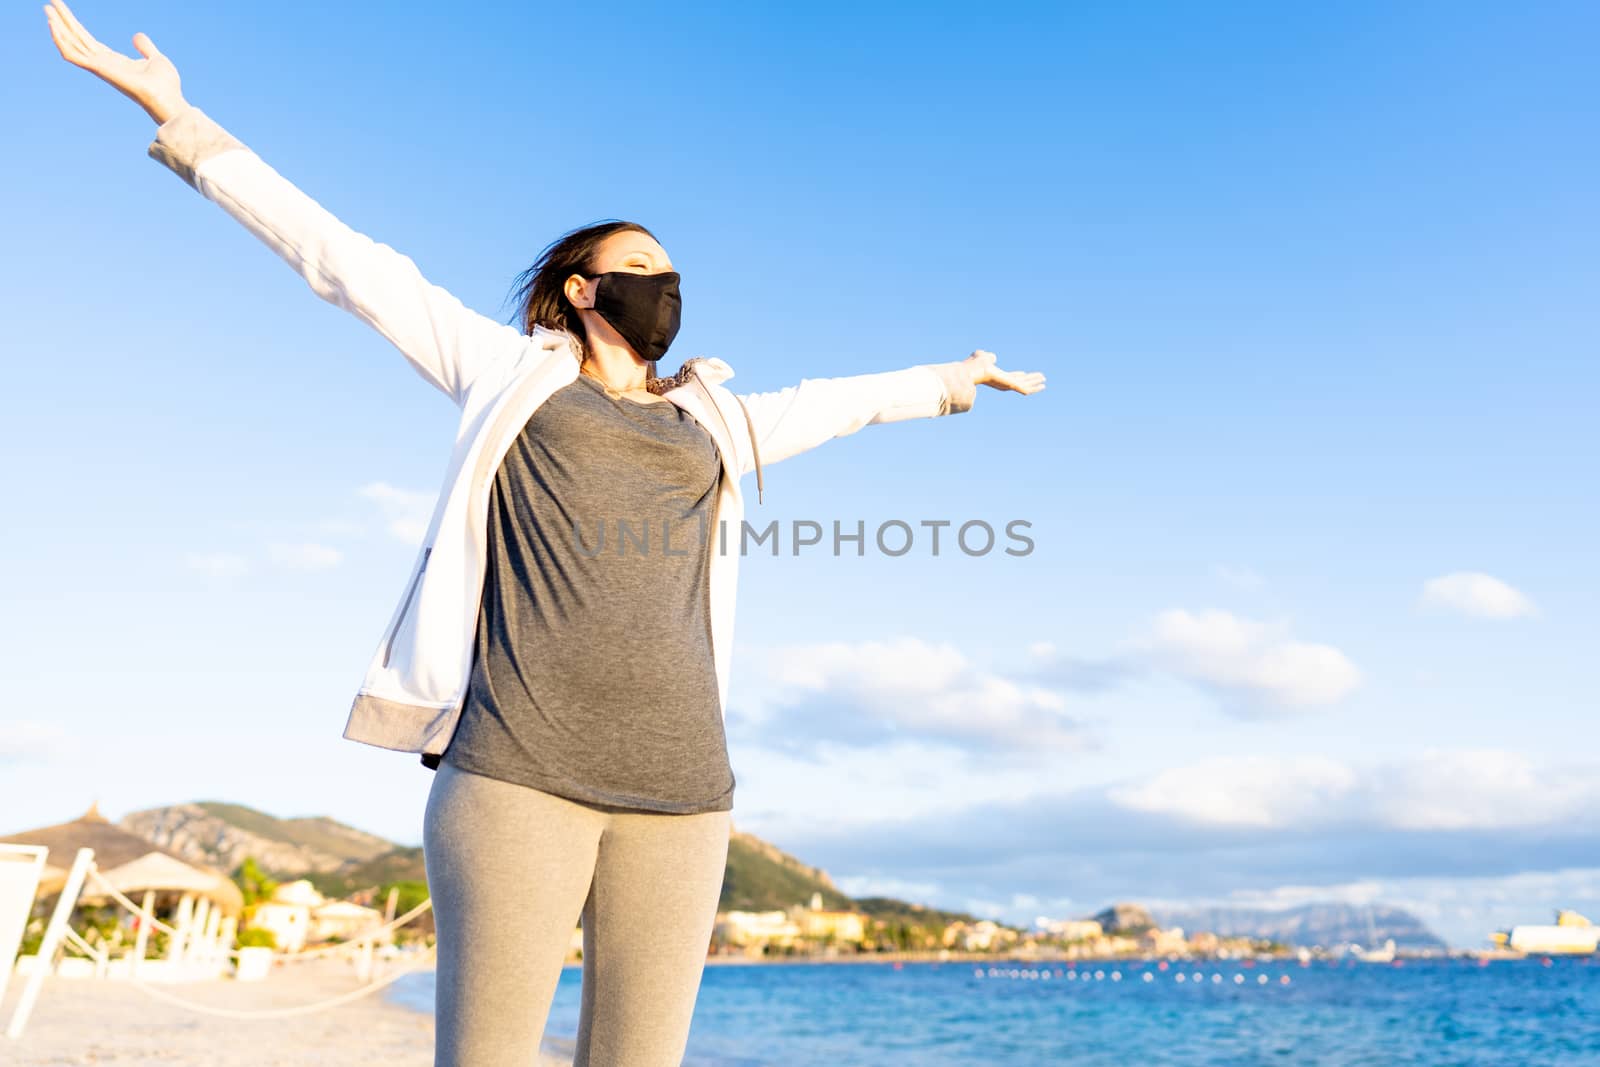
<point x="755" y="449"/>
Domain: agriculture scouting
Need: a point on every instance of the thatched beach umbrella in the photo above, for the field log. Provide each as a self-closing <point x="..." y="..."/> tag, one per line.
<point x="126" y="860"/>
<point x="166" y="874"/>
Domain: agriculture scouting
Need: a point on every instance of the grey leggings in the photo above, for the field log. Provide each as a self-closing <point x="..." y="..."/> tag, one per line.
<point x="511" y="869"/>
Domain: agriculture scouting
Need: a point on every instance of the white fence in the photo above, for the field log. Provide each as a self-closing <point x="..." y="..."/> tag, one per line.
<point x="200" y="946"/>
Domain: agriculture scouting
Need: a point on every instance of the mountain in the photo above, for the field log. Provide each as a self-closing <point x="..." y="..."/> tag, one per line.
<point x="1310" y="925"/>
<point x="1125" y="919"/>
<point x="762" y="877"/>
<point x="221" y="835"/>
<point x="341" y="860"/>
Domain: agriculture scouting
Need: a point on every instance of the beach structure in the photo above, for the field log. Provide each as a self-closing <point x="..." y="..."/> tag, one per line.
<point x="199" y="939"/>
<point x="128" y="861"/>
<point x="107" y="864"/>
<point x="20" y="868"/>
<point x="203" y="905"/>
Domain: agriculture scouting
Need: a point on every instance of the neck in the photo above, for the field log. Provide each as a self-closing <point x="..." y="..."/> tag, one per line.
<point x="613" y="363"/>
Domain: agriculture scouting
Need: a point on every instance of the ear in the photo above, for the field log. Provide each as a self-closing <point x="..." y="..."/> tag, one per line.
<point x="575" y="290"/>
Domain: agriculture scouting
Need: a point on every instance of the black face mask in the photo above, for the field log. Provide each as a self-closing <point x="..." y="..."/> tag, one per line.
<point x="643" y="308"/>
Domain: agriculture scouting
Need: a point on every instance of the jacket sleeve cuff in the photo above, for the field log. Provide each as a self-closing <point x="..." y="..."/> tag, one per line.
<point x="188" y="139"/>
<point x="958" y="386"/>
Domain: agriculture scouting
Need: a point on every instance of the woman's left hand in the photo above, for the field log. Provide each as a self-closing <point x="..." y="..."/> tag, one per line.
<point x="151" y="82"/>
<point x="984" y="372"/>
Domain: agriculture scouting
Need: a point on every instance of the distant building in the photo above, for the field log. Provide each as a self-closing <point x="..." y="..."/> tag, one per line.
<point x="297" y="914"/>
<point x="288" y="914"/>
<point x="1072" y="929"/>
<point x="756" y="928"/>
<point x="820" y="924"/>
<point x="1164" y="942"/>
<point x="848" y="926"/>
<point x="340" y="920"/>
<point x="955" y="935"/>
<point x="980" y="936"/>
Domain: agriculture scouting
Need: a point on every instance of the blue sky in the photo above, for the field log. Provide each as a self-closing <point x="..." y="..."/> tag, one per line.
<point x="1313" y="288"/>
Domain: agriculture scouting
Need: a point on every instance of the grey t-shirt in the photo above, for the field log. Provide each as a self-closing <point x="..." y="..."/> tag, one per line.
<point x="592" y="673"/>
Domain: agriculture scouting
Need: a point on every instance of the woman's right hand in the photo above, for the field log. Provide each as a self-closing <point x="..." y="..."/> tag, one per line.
<point x="151" y="82"/>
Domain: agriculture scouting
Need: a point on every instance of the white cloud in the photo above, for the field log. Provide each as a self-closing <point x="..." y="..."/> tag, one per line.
<point x="874" y="886"/>
<point x="1461" y="789"/>
<point x="1258" y="791"/>
<point x="1480" y="595"/>
<point x="1439" y="789"/>
<point x="912" y="687"/>
<point x="982" y="907"/>
<point x="406" y="511"/>
<point x="1252" y="660"/>
<point x="305" y="556"/>
<point x="217" y="564"/>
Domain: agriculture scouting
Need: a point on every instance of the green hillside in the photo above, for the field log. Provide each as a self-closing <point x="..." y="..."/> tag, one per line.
<point x="248" y="819"/>
<point x="758" y="878"/>
<point x="762" y="878"/>
<point x="400" y="865"/>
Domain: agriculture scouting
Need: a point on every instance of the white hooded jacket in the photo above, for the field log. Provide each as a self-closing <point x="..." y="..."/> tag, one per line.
<point x="416" y="679"/>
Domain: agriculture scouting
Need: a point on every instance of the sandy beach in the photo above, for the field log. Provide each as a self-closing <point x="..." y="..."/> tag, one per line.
<point x="105" y="1021"/>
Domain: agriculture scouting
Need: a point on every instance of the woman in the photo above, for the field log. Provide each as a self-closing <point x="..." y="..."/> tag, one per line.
<point x="560" y="655"/>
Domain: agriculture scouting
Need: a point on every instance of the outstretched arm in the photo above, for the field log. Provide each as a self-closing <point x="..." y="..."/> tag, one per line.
<point x="790" y="421"/>
<point x="446" y="342"/>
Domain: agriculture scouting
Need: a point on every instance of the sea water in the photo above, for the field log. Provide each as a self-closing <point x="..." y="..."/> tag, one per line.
<point x="1443" y="1011"/>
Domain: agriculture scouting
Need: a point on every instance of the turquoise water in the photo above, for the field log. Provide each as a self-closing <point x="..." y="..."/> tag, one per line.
<point x="1455" y="1012"/>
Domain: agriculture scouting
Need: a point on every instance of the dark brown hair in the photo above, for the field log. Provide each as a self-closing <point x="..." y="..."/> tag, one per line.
<point x="539" y="290"/>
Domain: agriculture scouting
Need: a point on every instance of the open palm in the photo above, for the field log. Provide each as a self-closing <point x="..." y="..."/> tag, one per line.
<point x="984" y="372"/>
<point x="151" y="82"/>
